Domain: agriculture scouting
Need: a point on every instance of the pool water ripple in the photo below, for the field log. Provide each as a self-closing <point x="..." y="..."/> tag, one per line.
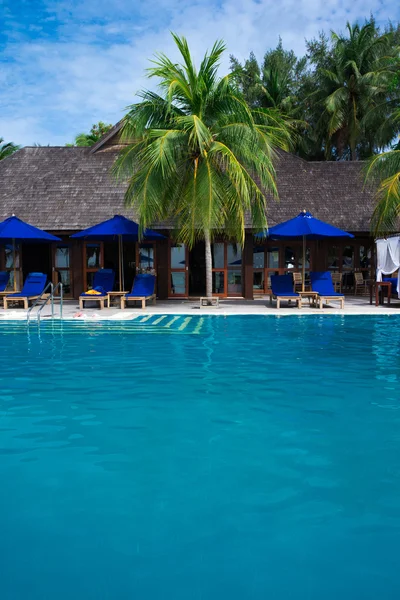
<point x="209" y="458"/>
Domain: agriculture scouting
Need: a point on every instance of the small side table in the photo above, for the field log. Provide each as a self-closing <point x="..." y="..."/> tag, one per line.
<point x="214" y="301"/>
<point x="117" y="295"/>
<point x="382" y="285"/>
<point x="312" y="297"/>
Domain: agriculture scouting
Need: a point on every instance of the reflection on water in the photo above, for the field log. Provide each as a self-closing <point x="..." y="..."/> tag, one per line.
<point x="201" y="457"/>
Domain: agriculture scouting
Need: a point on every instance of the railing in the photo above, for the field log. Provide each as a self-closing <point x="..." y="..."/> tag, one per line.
<point x="45" y="300"/>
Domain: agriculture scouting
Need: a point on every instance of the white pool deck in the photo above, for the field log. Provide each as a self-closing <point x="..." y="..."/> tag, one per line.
<point x="354" y="305"/>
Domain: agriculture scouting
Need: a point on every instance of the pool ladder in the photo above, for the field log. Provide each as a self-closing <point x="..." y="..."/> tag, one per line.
<point x="46" y="297"/>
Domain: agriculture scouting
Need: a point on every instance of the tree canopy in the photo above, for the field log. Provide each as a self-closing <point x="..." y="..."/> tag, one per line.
<point x="95" y="134"/>
<point x="343" y="92"/>
<point x="7" y="148"/>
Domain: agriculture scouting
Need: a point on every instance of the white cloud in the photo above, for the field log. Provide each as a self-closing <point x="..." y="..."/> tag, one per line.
<point x="54" y="88"/>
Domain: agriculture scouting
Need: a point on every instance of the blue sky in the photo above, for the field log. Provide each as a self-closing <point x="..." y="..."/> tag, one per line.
<point x="66" y="64"/>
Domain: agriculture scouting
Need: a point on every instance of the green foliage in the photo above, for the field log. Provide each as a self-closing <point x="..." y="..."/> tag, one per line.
<point x="340" y="96"/>
<point x="197" y="153"/>
<point x="384" y="170"/>
<point x="6" y="149"/>
<point x="97" y="131"/>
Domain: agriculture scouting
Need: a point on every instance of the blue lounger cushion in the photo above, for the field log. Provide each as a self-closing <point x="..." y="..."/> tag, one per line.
<point x="321" y="282"/>
<point x="393" y="281"/>
<point x="33" y="286"/>
<point x="143" y="286"/>
<point x="103" y="281"/>
<point x="4" y="279"/>
<point x="282" y="285"/>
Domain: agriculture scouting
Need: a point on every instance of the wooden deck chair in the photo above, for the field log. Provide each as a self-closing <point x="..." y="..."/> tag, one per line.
<point x="297" y="282"/>
<point x="143" y="289"/>
<point x="337" y="281"/>
<point x="103" y="282"/>
<point x="32" y="289"/>
<point x="282" y="289"/>
<point x="321" y="282"/>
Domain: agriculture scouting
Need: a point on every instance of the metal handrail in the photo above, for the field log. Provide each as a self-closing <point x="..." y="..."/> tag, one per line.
<point x="49" y="285"/>
<point x="50" y="298"/>
<point x="54" y="297"/>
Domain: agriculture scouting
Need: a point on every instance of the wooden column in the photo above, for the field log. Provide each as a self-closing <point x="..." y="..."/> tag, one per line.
<point x="248" y="266"/>
<point x="319" y="256"/>
<point x="162" y="269"/>
<point x="77" y="268"/>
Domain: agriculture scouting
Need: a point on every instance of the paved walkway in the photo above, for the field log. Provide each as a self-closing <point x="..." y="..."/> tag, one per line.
<point x="353" y="306"/>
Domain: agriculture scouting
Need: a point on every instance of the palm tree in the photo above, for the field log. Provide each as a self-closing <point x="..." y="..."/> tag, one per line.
<point x="354" y="85"/>
<point x="198" y="154"/>
<point x="7" y="149"/>
<point x="95" y="134"/>
<point x="384" y="169"/>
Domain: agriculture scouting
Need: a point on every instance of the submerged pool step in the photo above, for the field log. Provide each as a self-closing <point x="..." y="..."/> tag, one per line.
<point x="181" y="324"/>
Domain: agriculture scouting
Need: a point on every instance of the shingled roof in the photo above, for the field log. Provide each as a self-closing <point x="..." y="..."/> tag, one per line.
<point x="66" y="189"/>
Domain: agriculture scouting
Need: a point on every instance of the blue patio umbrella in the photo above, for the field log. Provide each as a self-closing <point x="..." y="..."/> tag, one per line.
<point x="14" y="230"/>
<point x="120" y="228"/>
<point x="307" y="227"/>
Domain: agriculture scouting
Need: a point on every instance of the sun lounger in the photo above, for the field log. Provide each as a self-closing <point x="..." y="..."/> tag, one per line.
<point x="32" y="289"/>
<point x="103" y="281"/>
<point x="321" y="282"/>
<point x="282" y="289"/>
<point x="4" y="279"/>
<point x="143" y="289"/>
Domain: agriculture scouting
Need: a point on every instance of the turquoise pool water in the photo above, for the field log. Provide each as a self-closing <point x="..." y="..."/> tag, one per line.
<point x="201" y="459"/>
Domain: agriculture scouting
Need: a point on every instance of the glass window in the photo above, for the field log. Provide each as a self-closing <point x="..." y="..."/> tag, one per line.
<point x="146" y="257"/>
<point x="218" y="255"/>
<point x="218" y="282"/>
<point x="365" y="257"/>
<point x="64" y="277"/>
<point x="258" y="280"/>
<point x="273" y="258"/>
<point x="178" y="256"/>
<point x="290" y="258"/>
<point x="333" y="258"/>
<point x="234" y="252"/>
<point x="178" y="283"/>
<point x="348" y="257"/>
<point x="307" y="259"/>
<point x="92" y="256"/>
<point x="9" y="252"/>
<point x="18" y="280"/>
<point x="62" y="257"/>
<point x="258" y="257"/>
<point x="235" y="281"/>
<point x="89" y="280"/>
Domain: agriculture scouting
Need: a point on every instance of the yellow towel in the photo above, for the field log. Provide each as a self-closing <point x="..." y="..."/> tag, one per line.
<point x="93" y="293"/>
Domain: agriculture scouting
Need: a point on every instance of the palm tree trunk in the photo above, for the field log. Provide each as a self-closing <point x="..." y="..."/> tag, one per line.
<point x="207" y="243"/>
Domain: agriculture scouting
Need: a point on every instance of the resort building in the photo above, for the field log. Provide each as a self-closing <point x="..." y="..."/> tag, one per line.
<point x="67" y="189"/>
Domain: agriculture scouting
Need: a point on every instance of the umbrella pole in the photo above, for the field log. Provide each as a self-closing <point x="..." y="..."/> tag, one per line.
<point x="304" y="264"/>
<point x="120" y="263"/>
<point x="15" y="271"/>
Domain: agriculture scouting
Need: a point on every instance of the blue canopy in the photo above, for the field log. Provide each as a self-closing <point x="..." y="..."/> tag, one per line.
<point x="118" y="226"/>
<point x="15" y="229"/>
<point x="304" y="225"/>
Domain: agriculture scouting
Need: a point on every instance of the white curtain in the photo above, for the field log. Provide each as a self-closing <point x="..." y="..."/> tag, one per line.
<point x="388" y="258"/>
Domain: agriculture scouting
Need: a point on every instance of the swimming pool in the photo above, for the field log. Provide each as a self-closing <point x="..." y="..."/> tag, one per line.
<point x="238" y="458"/>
